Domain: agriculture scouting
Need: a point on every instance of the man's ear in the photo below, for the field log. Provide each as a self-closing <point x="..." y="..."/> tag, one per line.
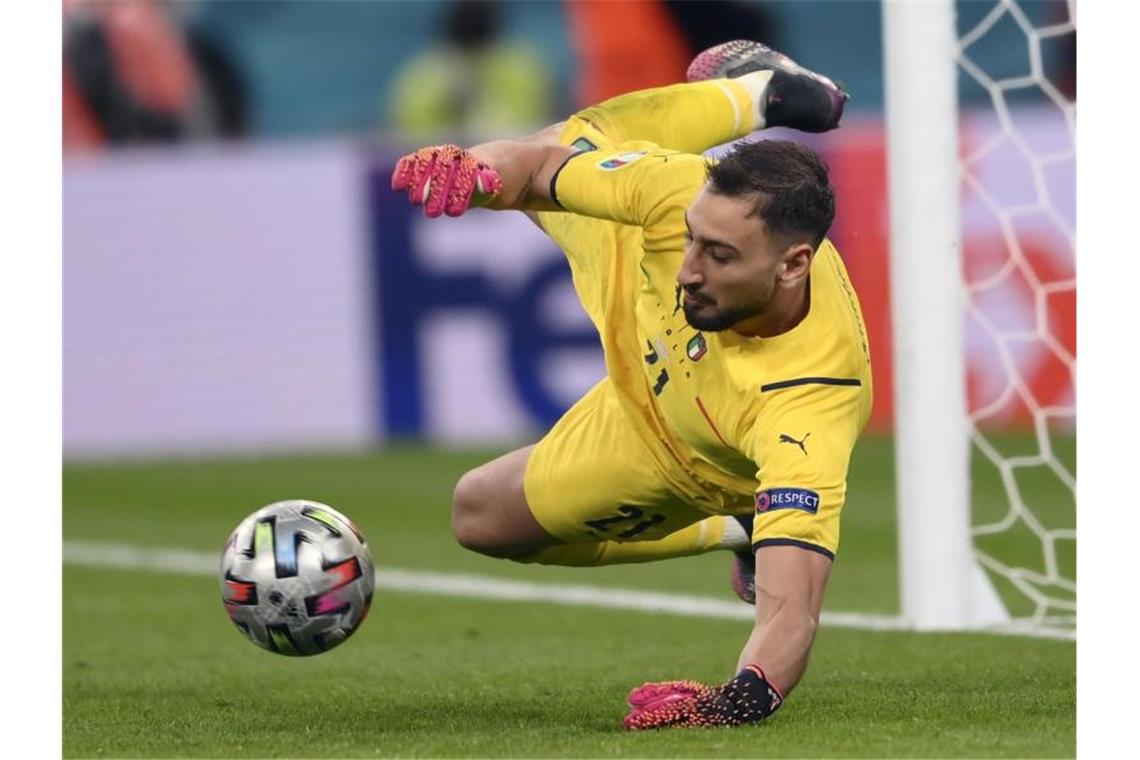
<point x="797" y="263"/>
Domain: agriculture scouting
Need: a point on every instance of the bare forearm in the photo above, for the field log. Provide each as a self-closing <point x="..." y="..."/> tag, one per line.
<point x="790" y="584"/>
<point x="781" y="647"/>
<point x="526" y="168"/>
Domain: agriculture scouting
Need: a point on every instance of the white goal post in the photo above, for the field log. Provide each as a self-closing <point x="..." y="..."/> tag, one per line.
<point x="943" y="585"/>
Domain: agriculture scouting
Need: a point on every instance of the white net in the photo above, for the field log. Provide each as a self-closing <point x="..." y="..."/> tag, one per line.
<point x="1018" y="166"/>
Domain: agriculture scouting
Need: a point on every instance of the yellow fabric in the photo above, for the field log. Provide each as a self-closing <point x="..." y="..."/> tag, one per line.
<point x="676" y="430"/>
<point x="697" y="538"/>
<point x="690" y="118"/>
<point x="594" y="478"/>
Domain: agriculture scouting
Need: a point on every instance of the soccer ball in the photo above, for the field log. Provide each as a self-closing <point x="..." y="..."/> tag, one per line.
<point x="297" y="577"/>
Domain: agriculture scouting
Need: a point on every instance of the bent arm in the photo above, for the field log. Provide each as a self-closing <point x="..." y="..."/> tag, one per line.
<point x="790" y="583"/>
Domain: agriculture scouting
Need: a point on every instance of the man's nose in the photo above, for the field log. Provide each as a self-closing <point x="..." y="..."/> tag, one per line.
<point x="689" y="275"/>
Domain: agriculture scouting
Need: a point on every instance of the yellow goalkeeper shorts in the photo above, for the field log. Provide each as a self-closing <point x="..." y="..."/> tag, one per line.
<point x="592" y="478"/>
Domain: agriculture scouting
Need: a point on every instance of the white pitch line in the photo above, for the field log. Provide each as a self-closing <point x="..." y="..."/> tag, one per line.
<point x="127" y="557"/>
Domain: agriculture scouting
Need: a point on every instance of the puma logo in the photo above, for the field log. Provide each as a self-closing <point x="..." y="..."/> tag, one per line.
<point x="785" y="438"/>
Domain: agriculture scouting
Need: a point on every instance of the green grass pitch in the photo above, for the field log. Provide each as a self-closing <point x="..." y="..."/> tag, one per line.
<point x="153" y="668"/>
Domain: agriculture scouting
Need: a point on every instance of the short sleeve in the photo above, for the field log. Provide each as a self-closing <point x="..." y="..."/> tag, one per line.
<point x="802" y="442"/>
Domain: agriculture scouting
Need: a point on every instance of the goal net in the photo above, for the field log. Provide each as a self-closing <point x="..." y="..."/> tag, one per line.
<point x="1020" y="296"/>
<point x="981" y="120"/>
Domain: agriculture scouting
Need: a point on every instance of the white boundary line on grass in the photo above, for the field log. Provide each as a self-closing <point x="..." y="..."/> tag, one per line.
<point x="182" y="561"/>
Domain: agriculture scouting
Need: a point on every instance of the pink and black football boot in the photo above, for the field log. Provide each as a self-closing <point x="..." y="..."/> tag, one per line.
<point x="795" y="97"/>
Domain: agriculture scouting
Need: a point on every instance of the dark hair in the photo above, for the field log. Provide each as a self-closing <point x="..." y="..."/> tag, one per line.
<point x="789" y="181"/>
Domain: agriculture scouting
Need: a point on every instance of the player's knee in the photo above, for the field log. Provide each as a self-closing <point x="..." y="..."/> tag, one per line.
<point x="465" y="508"/>
<point x="471" y="515"/>
<point x="488" y="517"/>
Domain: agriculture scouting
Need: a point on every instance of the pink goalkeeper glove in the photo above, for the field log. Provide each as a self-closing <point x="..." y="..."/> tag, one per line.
<point x="748" y="698"/>
<point x="662" y="692"/>
<point x="446" y="179"/>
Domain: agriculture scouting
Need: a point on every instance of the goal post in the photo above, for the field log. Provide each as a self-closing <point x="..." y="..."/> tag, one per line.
<point x="941" y="584"/>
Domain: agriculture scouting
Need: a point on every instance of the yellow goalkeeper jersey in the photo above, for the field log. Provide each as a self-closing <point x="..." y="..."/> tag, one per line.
<point x="763" y="423"/>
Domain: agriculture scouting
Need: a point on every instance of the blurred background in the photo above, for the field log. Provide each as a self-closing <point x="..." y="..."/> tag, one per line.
<point x="238" y="277"/>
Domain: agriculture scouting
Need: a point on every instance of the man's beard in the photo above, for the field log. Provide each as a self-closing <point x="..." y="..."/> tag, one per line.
<point x="716" y="320"/>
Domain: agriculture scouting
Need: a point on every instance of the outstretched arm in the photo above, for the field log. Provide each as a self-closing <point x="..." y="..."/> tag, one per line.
<point x="795" y="533"/>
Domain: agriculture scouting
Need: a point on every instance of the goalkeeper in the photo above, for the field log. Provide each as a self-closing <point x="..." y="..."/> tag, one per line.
<point x="738" y="374"/>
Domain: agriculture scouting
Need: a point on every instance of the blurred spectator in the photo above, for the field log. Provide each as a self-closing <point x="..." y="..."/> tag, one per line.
<point x="624" y="46"/>
<point x="132" y="74"/>
<point x="705" y="23"/>
<point x="633" y="44"/>
<point x="475" y="83"/>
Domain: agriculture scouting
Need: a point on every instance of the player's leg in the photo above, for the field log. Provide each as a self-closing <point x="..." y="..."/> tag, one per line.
<point x="734" y="89"/>
<point x="749" y="87"/>
<point x="490" y="515"/>
<point x="795" y="97"/>
<point x="489" y="512"/>
<point x="686" y="117"/>
<point x="589" y="479"/>
<point x="597" y="487"/>
<point x="588" y="494"/>
<point x="706" y="534"/>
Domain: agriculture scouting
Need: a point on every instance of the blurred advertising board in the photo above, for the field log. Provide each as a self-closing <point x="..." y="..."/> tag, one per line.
<point x="216" y="300"/>
<point x="481" y="334"/>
